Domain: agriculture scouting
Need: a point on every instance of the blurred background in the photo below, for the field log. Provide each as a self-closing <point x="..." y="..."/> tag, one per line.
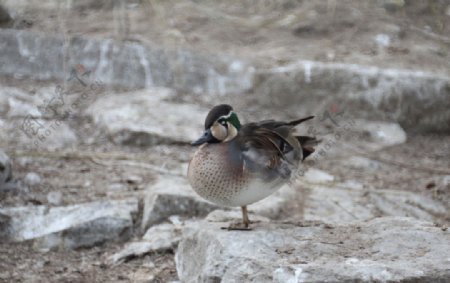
<point x="100" y="99"/>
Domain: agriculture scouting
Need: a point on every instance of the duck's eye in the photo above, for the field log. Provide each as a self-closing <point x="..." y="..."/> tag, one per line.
<point x="223" y="122"/>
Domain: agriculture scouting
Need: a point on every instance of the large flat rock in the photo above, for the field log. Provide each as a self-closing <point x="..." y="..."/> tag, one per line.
<point x="388" y="249"/>
<point x="75" y="226"/>
<point x="170" y="196"/>
<point x="418" y="100"/>
<point x="146" y="117"/>
<point x="341" y="205"/>
<point x="41" y="56"/>
<point x="325" y="199"/>
<point x="31" y="122"/>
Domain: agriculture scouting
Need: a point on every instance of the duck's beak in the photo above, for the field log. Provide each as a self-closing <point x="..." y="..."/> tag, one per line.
<point x="206" y="137"/>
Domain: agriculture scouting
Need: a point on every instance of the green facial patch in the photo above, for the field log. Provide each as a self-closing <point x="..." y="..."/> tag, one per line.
<point x="234" y="120"/>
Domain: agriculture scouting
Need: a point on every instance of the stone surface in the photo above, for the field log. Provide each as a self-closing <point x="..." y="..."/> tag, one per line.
<point x="51" y="134"/>
<point x="163" y="235"/>
<point x="172" y="196"/>
<point x="131" y="250"/>
<point x="21" y="109"/>
<point x="317" y="176"/>
<point x="16" y="103"/>
<point x="32" y="179"/>
<point x="75" y="226"/>
<point x="380" y="134"/>
<point x="381" y="250"/>
<point x="361" y="163"/>
<point x="41" y="102"/>
<point x="55" y="198"/>
<point x="158" y="238"/>
<point x="147" y="118"/>
<point x="419" y="101"/>
<point x="354" y="136"/>
<point x="54" y="134"/>
<point x="22" y="6"/>
<point x="40" y="56"/>
<point x="339" y="204"/>
<point x="31" y="121"/>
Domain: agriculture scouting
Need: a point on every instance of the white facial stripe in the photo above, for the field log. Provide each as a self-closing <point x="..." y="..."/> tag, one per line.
<point x="226" y="116"/>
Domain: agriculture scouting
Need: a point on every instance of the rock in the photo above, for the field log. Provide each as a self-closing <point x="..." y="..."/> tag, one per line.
<point x="43" y="134"/>
<point x="31" y="122"/>
<point x="74" y="226"/>
<point x="131" y="250"/>
<point x="360" y="163"/>
<point x="117" y="187"/>
<point x="362" y="135"/>
<point x="54" y="198"/>
<point x="55" y="134"/>
<point x="446" y="180"/>
<point x="17" y="103"/>
<point x="132" y="118"/>
<point x="172" y="196"/>
<point x="158" y="238"/>
<point x="21" y="109"/>
<point x="32" y="179"/>
<point x="341" y="205"/>
<point x="380" y="134"/>
<point x="380" y="250"/>
<point x="163" y="236"/>
<point x="382" y="40"/>
<point x="417" y="100"/>
<point x="132" y="65"/>
<point x="44" y="102"/>
<point x="5" y="169"/>
<point x="317" y="176"/>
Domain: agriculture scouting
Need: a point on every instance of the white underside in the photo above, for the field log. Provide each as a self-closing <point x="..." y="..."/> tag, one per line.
<point x="256" y="191"/>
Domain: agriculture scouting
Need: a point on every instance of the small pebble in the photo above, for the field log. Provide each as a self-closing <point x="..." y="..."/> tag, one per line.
<point x="32" y="179"/>
<point x="54" y="198"/>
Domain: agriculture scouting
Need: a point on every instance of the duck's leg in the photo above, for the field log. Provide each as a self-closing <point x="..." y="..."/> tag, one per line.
<point x="242" y="226"/>
<point x="245" y="219"/>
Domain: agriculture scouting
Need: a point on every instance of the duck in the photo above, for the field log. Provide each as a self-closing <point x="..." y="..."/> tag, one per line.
<point x="237" y="165"/>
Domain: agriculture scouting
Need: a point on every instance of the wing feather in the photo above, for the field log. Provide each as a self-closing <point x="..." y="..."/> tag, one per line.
<point x="269" y="147"/>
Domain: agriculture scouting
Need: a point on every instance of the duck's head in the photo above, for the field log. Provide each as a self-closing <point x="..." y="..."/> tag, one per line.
<point x="221" y="125"/>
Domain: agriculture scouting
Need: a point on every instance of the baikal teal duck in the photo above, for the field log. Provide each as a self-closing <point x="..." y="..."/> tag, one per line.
<point x="237" y="165"/>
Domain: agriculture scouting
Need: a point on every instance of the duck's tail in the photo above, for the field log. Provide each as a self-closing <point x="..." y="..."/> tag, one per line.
<point x="307" y="143"/>
<point x="296" y="122"/>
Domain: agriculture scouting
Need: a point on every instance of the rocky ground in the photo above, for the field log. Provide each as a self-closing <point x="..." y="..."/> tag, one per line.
<point x="95" y="140"/>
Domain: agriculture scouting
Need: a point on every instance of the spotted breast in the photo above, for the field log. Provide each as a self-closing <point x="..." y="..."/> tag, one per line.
<point x="217" y="172"/>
